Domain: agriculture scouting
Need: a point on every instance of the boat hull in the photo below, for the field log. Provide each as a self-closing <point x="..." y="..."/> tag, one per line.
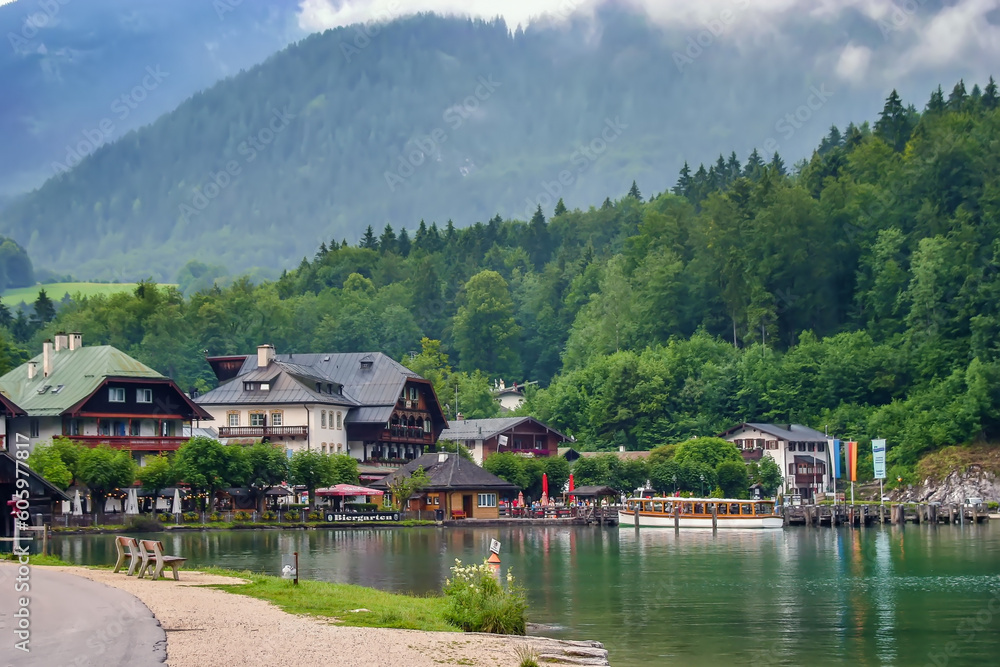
<point x="660" y="520"/>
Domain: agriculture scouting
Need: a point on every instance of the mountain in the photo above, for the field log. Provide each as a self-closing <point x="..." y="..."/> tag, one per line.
<point x="449" y="118"/>
<point x="77" y="74"/>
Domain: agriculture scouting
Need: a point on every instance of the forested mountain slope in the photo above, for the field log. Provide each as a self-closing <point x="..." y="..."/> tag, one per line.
<point x="438" y="118"/>
<point x="860" y="295"/>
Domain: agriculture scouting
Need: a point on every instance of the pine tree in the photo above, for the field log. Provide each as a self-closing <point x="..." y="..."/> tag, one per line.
<point x="894" y="124"/>
<point x="721" y="181"/>
<point x="754" y="166"/>
<point x="853" y="136"/>
<point x="368" y="240"/>
<point x="607" y="204"/>
<point x="683" y="186"/>
<point x="387" y="242"/>
<point x="322" y="250"/>
<point x="6" y="319"/>
<point x="936" y="103"/>
<point x="403" y="243"/>
<point x="537" y="239"/>
<point x="45" y="310"/>
<point x="778" y="165"/>
<point x="450" y="235"/>
<point x="634" y="193"/>
<point x="958" y="98"/>
<point x="433" y="238"/>
<point x="990" y="97"/>
<point x="832" y="140"/>
<point x="560" y="208"/>
<point x="420" y="238"/>
<point x="733" y="169"/>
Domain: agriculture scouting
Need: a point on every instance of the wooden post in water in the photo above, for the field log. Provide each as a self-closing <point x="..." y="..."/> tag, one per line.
<point x="975" y="515"/>
<point x="715" y="516"/>
<point x="932" y="517"/>
<point x="637" y="516"/>
<point x="881" y="514"/>
<point x="677" y="516"/>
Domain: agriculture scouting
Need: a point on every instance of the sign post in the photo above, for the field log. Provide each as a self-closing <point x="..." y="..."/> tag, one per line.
<point x="878" y="461"/>
<point x="494" y="560"/>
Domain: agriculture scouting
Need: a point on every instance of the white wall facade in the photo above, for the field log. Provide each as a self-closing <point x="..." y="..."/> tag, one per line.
<point x="783" y="456"/>
<point x="321" y="421"/>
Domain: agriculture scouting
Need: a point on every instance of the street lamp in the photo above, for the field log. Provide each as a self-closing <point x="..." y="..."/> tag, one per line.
<point x="702" y="475"/>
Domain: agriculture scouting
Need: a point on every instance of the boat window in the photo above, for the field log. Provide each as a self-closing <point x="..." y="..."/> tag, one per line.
<point x="699" y="508"/>
<point x="709" y="507"/>
<point x="687" y="508"/>
<point x="734" y="508"/>
<point x="746" y="508"/>
<point x="657" y="507"/>
<point x="722" y="508"/>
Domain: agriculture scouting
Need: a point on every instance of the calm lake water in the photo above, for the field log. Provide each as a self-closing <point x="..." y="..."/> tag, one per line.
<point x="799" y="596"/>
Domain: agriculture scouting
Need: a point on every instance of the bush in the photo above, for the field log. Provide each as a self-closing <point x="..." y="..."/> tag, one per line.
<point x="477" y="602"/>
<point x="165" y="518"/>
<point x="362" y="507"/>
<point x="242" y="516"/>
<point x="313" y="516"/>
<point x="292" y="516"/>
<point x="141" y="524"/>
<point x="992" y="505"/>
<point x="215" y="517"/>
<point x="269" y="516"/>
<point x="191" y="517"/>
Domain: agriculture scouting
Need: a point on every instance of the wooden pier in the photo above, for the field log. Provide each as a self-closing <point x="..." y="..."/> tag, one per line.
<point x="872" y="514"/>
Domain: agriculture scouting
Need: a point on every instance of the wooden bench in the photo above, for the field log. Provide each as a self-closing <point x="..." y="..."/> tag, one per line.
<point x="153" y="558"/>
<point x="457" y="514"/>
<point x="127" y="547"/>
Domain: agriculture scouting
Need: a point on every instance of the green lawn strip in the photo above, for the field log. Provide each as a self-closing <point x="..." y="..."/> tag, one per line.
<point x="230" y="525"/>
<point x="337" y="601"/>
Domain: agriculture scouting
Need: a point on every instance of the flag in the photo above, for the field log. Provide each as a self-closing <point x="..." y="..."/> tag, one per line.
<point x="835" y="452"/>
<point x="852" y="459"/>
<point x="878" y="457"/>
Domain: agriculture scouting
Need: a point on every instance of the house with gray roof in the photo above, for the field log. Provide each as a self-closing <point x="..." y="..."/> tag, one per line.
<point x="96" y="394"/>
<point x="364" y="404"/>
<point x="518" y="435"/>
<point x="802" y="453"/>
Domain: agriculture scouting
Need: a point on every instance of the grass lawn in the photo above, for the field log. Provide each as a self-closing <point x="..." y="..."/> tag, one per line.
<point x="338" y="601"/>
<point x="57" y="291"/>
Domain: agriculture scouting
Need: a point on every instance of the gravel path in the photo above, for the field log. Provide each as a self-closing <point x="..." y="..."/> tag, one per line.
<point x="207" y="627"/>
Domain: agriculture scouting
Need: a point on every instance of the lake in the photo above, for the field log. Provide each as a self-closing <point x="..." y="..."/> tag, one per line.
<point x="919" y="595"/>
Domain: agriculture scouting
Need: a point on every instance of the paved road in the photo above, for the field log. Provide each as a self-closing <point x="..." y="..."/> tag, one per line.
<point x="75" y="622"/>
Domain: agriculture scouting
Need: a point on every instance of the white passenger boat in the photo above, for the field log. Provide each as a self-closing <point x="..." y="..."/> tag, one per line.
<point x="699" y="513"/>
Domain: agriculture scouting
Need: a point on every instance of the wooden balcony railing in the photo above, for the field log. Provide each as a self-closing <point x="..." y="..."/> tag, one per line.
<point x="262" y="431"/>
<point x="406" y="434"/>
<point x="151" y="443"/>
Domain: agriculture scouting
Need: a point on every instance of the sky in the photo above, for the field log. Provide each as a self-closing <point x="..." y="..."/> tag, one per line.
<point x="915" y="34"/>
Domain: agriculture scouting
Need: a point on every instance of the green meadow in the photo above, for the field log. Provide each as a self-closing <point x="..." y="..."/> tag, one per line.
<point x="57" y="291"/>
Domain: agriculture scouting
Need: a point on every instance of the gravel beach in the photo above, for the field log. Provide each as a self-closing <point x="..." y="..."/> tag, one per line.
<point x="208" y="628"/>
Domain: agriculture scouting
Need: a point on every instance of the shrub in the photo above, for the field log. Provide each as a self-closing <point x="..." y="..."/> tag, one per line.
<point x="313" y="516"/>
<point x="477" y="602"/>
<point x="141" y="524"/>
<point x="165" y="518"/>
<point x="242" y="516"/>
<point x="292" y="516"/>
<point x="215" y="517"/>
<point x="268" y="516"/>
<point x="191" y="517"/>
<point x="362" y="507"/>
<point x="992" y="505"/>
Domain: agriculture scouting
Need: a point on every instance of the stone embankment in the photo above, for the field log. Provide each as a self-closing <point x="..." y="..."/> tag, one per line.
<point x="973" y="482"/>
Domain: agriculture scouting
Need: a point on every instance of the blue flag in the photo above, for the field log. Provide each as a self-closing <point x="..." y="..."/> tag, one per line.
<point x="835" y="452"/>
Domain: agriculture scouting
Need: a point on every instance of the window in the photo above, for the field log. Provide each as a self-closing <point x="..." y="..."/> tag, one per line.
<point x="487" y="500"/>
<point x="143" y="395"/>
<point x="265" y="386"/>
<point x="413" y="394"/>
<point x="812" y="446"/>
<point x="427" y="426"/>
<point x="234" y="418"/>
<point x="33" y="428"/>
<point x="257" y="419"/>
<point x="73" y="427"/>
<point x="116" y="394"/>
<point x="105" y="428"/>
<point x="324" y="448"/>
<point x="133" y="427"/>
<point x="322" y="419"/>
<point x="821" y="447"/>
<point x="437" y="500"/>
<point x="168" y="429"/>
<point x="340" y="423"/>
<point x="277" y="418"/>
<point x="58" y="388"/>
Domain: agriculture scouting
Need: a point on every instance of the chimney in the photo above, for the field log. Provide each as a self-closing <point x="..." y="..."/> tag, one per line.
<point x="32" y="369"/>
<point x="442" y="457"/>
<point x="621" y="448"/>
<point x="47" y="358"/>
<point x="265" y="354"/>
<point x="62" y="341"/>
<point x="459" y="417"/>
<point x="75" y="340"/>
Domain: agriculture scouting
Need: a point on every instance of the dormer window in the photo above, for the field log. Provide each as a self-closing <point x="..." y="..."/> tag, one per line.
<point x="256" y="386"/>
<point x="265" y="386"/>
<point x="58" y="389"/>
<point x="116" y="394"/>
<point x="44" y="389"/>
<point x="143" y="395"/>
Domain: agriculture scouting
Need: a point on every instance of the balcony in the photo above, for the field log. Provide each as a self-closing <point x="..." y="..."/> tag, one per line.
<point x="262" y="431"/>
<point x="136" y="443"/>
<point x="407" y="434"/>
<point x="529" y="453"/>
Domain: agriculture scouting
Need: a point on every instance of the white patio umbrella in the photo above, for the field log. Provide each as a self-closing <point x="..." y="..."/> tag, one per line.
<point x="176" y="509"/>
<point x="77" y="505"/>
<point x="132" y="504"/>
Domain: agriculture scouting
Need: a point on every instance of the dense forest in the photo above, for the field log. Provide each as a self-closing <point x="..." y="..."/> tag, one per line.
<point x="859" y="293"/>
<point x="424" y="116"/>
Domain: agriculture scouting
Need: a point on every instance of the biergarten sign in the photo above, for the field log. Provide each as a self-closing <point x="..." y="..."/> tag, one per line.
<point x="335" y="517"/>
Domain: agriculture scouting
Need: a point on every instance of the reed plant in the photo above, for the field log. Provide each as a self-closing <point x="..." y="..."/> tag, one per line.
<point x="479" y="602"/>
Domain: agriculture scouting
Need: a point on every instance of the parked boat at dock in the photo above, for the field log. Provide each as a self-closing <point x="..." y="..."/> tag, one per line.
<point x="675" y="512"/>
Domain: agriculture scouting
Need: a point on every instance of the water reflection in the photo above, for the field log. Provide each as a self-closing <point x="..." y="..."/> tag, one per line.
<point x="886" y="596"/>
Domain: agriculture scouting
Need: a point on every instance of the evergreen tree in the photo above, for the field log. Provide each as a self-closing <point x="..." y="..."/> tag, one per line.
<point x="733" y="169"/>
<point x="958" y="98"/>
<point x="45" y="310"/>
<point x="754" y="165"/>
<point x="778" y="165"/>
<point x="6" y="319"/>
<point x="634" y="193"/>
<point x="368" y="240"/>
<point x="434" y="243"/>
<point x="683" y="186"/>
<point x="450" y="234"/>
<point x="403" y="243"/>
<point x="936" y="103"/>
<point x="387" y="242"/>
<point x="990" y="97"/>
<point x="420" y="238"/>
<point x="607" y="205"/>
<point x="832" y="140"/>
<point x="894" y="124"/>
<point x="321" y="253"/>
<point x="720" y="172"/>
<point x="560" y="208"/>
<point x="537" y="239"/>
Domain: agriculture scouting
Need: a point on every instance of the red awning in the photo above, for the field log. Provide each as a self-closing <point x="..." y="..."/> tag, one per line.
<point x="348" y="490"/>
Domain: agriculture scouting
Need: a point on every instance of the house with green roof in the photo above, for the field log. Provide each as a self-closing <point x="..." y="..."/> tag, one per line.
<point x="96" y="394"/>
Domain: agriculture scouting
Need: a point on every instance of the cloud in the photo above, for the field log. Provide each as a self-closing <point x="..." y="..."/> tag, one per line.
<point x="853" y="63"/>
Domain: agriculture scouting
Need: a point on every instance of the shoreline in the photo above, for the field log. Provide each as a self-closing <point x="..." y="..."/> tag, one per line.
<point x="206" y="626"/>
